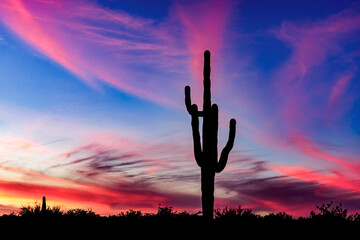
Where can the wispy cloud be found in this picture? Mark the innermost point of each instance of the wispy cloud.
(310, 89)
(109, 177)
(309, 148)
(205, 26)
(312, 44)
(315, 77)
(98, 44)
(92, 163)
(293, 189)
(338, 90)
(85, 194)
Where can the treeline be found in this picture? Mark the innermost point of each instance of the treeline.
(229, 223)
(325, 213)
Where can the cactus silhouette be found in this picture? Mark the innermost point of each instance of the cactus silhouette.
(207, 155)
(43, 206)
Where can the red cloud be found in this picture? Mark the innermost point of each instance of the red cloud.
(102, 199)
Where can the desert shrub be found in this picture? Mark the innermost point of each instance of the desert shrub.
(131, 215)
(35, 210)
(235, 214)
(327, 213)
(165, 212)
(30, 210)
(78, 212)
(280, 217)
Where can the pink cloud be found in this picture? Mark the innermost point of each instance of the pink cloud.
(109, 176)
(274, 206)
(101, 199)
(311, 44)
(307, 147)
(338, 101)
(90, 158)
(301, 89)
(333, 180)
(205, 26)
(339, 89)
(293, 189)
(96, 44)
(15, 14)
(303, 92)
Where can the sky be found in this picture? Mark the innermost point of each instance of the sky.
(92, 111)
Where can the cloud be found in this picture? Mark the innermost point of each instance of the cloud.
(7, 209)
(340, 101)
(334, 180)
(309, 148)
(205, 27)
(86, 194)
(112, 174)
(295, 192)
(274, 194)
(94, 159)
(103, 170)
(312, 44)
(339, 89)
(101, 176)
(266, 187)
(100, 45)
(306, 93)
(309, 92)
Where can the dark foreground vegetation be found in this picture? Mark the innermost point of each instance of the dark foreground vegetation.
(325, 219)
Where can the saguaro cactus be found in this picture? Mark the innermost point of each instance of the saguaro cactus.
(43, 206)
(207, 155)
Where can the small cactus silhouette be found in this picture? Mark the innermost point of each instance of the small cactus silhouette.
(207, 155)
(43, 206)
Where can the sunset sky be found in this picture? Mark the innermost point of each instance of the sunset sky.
(92, 111)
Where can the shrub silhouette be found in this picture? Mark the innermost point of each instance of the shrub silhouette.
(166, 212)
(229, 212)
(331, 214)
(78, 212)
(131, 214)
(36, 210)
(30, 210)
(236, 215)
(166, 220)
(277, 218)
(206, 156)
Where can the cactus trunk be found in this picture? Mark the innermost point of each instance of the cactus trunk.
(207, 190)
(207, 155)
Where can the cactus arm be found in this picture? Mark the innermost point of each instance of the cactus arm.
(188, 100)
(207, 84)
(229, 145)
(188, 103)
(196, 136)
